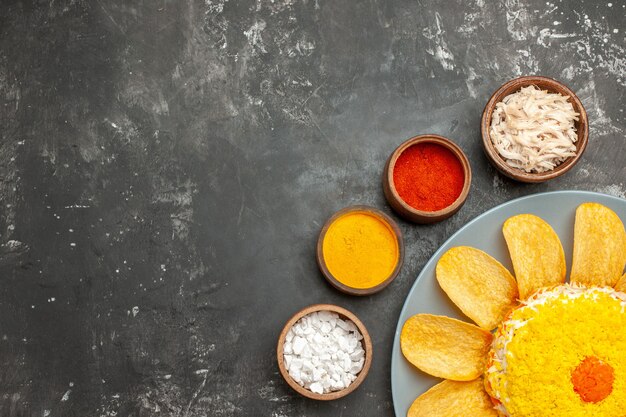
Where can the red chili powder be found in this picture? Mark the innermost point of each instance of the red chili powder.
(428, 177)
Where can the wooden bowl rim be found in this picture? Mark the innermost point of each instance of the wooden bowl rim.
(321, 262)
(441, 141)
(366, 343)
(551, 85)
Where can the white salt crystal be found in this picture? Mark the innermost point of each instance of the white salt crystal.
(298, 344)
(325, 316)
(317, 387)
(339, 332)
(352, 344)
(343, 325)
(343, 344)
(355, 368)
(337, 385)
(296, 363)
(347, 364)
(318, 374)
(306, 351)
(326, 327)
(357, 354)
(295, 374)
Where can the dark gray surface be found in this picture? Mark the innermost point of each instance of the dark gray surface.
(166, 167)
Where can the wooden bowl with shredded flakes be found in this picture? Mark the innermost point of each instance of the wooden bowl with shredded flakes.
(534, 171)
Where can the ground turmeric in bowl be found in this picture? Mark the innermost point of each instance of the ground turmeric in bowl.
(360, 249)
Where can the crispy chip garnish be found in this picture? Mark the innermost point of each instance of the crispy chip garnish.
(621, 284)
(536, 253)
(445, 347)
(599, 246)
(478, 284)
(453, 399)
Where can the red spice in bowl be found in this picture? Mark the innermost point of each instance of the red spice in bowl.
(427, 179)
(428, 176)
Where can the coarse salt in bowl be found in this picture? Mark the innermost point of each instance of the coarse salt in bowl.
(324, 352)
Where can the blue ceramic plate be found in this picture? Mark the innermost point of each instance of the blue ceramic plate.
(484, 232)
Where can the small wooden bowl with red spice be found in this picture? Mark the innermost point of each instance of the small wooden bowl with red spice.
(427, 179)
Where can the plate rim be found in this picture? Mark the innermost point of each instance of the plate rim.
(437, 254)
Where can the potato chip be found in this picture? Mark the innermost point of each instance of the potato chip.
(536, 252)
(599, 246)
(454, 399)
(445, 347)
(478, 284)
(621, 284)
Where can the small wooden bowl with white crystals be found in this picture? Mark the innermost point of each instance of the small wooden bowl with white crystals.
(366, 344)
(552, 86)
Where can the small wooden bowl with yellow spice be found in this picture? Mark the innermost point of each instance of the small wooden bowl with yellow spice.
(360, 250)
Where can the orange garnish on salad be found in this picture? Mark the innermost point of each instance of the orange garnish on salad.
(593, 379)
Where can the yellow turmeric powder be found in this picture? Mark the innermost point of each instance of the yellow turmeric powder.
(360, 250)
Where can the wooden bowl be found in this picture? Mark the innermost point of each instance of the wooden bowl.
(405, 210)
(366, 343)
(545, 83)
(321, 262)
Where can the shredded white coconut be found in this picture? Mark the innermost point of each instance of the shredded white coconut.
(323, 352)
(533, 129)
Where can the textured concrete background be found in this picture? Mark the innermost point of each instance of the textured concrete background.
(165, 168)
